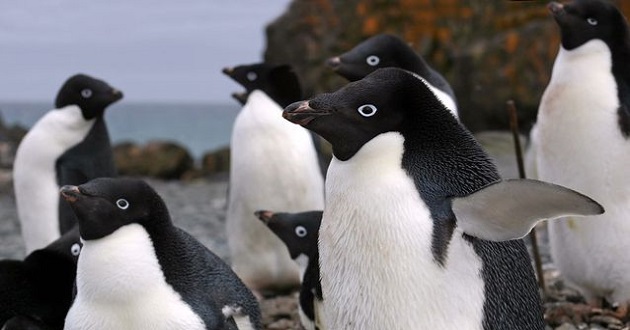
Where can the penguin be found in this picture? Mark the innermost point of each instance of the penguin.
(36, 293)
(138, 271)
(68, 145)
(417, 219)
(265, 175)
(583, 130)
(280, 83)
(300, 231)
(387, 50)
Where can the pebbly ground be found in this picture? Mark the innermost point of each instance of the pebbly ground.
(199, 207)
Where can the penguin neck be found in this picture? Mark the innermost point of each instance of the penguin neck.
(573, 65)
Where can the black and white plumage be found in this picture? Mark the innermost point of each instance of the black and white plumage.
(581, 136)
(68, 145)
(265, 175)
(138, 271)
(411, 199)
(385, 51)
(300, 232)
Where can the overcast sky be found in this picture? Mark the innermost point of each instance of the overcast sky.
(153, 50)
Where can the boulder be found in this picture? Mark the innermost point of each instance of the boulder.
(159, 159)
(217, 161)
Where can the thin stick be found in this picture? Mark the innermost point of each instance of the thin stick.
(521, 173)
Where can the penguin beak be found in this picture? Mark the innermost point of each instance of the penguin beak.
(117, 94)
(264, 216)
(70, 193)
(240, 97)
(334, 63)
(301, 113)
(228, 71)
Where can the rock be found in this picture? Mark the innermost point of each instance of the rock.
(217, 161)
(159, 159)
(566, 326)
(10, 138)
(489, 51)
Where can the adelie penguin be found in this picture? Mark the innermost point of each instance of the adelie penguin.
(36, 293)
(68, 145)
(137, 270)
(583, 132)
(415, 210)
(300, 231)
(274, 165)
(384, 51)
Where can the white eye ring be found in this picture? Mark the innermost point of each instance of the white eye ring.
(372, 60)
(591, 21)
(75, 249)
(367, 110)
(251, 76)
(122, 204)
(300, 231)
(86, 93)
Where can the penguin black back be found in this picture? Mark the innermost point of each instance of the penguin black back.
(91, 158)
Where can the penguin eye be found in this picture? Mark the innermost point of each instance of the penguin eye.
(591, 21)
(300, 231)
(122, 204)
(75, 249)
(372, 60)
(86, 93)
(251, 76)
(367, 110)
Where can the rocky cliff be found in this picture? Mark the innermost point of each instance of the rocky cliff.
(489, 50)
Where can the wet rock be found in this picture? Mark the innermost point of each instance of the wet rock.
(280, 312)
(217, 161)
(567, 326)
(10, 138)
(158, 159)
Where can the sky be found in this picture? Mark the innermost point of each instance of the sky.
(152, 50)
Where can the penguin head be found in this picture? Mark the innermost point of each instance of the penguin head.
(387, 100)
(69, 245)
(63, 251)
(105, 204)
(278, 81)
(380, 51)
(298, 231)
(90, 94)
(583, 20)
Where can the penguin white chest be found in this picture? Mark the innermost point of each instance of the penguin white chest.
(377, 268)
(274, 166)
(120, 285)
(580, 146)
(35, 177)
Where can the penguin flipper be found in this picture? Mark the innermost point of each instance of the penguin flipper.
(509, 209)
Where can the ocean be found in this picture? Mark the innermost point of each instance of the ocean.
(200, 128)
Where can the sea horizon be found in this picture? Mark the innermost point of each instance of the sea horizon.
(200, 127)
